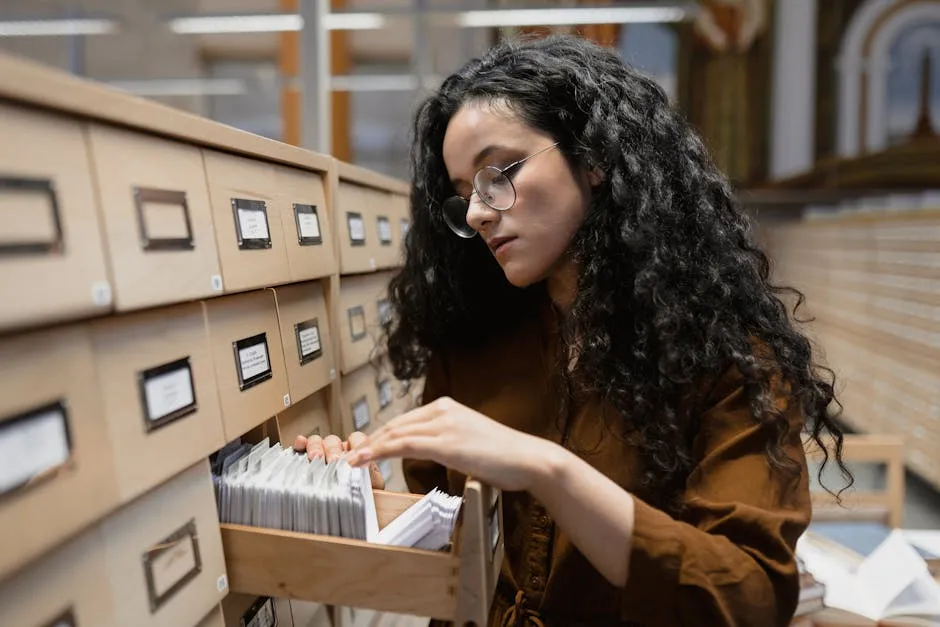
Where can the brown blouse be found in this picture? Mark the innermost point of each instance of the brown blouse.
(729, 560)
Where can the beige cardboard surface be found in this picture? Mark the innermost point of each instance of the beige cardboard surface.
(124, 161)
(233, 319)
(41, 369)
(146, 528)
(230, 178)
(306, 337)
(71, 279)
(151, 445)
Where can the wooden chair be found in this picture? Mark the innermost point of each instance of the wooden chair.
(885, 506)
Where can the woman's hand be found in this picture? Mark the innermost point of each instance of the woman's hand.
(332, 447)
(462, 439)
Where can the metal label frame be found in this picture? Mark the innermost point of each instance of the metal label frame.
(384, 308)
(187, 531)
(350, 216)
(143, 195)
(248, 342)
(378, 225)
(252, 612)
(37, 247)
(353, 313)
(251, 243)
(59, 407)
(379, 386)
(312, 210)
(361, 401)
(299, 328)
(144, 376)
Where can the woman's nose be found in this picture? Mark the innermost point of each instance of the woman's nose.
(480, 216)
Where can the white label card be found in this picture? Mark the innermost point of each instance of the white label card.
(309, 225)
(385, 393)
(32, 445)
(169, 392)
(357, 228)
(361, 417)
(309, 341)
(404, 225)
(253, 360)
(253, 223)
(385, 230)
(172, 565)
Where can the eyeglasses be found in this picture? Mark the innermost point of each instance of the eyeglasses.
(493, 186)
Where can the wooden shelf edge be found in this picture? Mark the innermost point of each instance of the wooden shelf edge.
(28, 82)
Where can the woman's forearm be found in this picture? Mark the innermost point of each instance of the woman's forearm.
(595, 512)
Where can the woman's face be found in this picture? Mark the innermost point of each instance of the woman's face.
(530, 240)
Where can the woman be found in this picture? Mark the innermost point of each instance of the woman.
(600, 340)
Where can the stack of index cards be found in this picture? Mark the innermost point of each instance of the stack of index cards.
(266, 485)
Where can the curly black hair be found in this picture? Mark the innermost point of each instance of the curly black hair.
(672, 289)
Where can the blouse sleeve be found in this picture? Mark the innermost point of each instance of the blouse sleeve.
(422, 476)
(730, 559)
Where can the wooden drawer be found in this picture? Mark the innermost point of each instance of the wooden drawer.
(55, 451)
(52, 263)
(67, 587)
(306, 338)
(248, 226)
(370, 398)
(369, 237)
(307, 223)
(159, 391)
(239, 610)
(311, 416)
(164, 552)
(157, 223)
(401, 210)
(456, 585)
(362, 300)
(249, 361)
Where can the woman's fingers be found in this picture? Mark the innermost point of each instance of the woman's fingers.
(333, 447)
(378, 480)
(300, 444)
(315, 447)
(356, 438)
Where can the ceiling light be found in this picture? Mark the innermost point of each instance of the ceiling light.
(272, 23)
(353, 21)
(182, 87)
(216, 24)
(56, 27)
(563, 17)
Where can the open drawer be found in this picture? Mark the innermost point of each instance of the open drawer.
(456, 585)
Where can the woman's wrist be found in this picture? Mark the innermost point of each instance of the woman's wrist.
(547, 467)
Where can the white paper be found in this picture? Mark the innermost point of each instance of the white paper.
(168, 392)
(254, 360)
(309, 225)
(893, 580)
(31, 447)
(253, 224)
(385, 230)
(357, 229)
(172, 565)
(361, 415)
(925, 539)
(309, 341)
